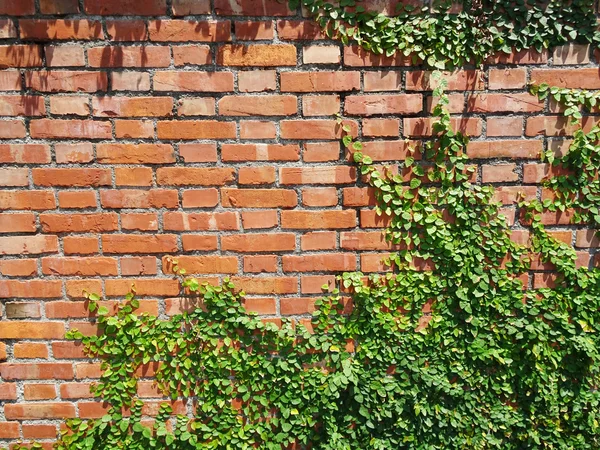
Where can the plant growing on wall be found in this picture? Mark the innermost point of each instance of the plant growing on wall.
(453, 33)
(447, 351)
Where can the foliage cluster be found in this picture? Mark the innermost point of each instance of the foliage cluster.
(459, 356)
(444, 36)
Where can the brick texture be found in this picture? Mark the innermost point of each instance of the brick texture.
(134, 130)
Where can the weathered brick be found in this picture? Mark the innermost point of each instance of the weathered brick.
(189, 30)
(59, 29)
(257, 55)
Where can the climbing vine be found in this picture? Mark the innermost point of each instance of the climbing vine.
(449, 350)
(453, 33)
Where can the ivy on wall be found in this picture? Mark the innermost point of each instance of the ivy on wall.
(458, 356)
(443, 37)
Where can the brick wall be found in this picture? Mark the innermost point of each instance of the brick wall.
(134, 130)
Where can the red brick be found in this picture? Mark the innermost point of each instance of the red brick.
(13, 177)
(504, 103)
(74, 105)
(71, 177)
(200, 198)
(260, 263)
(266, 55)
(75, 390)
(133, 176)
(321, 54)
(8, 391)
(30, 350)
(77, 199)
(80, 245)
(323, 262)
(256, 129)
(204, 221)
(266, 285)
(134, 129)
(207, 264)
(314, 129)
(461, 80)
(59, 29)
(9, 430)
(556, 126)
(189, 30)
(23, 310)
(138, 265)
(18, 267)
(30, 199)
(504, 126)
(66, 81)
(38, 391)
(505, 149)
(364, 240)
(321, 151)
(196, 129)
(7, 29)
(132, 106)
(22, 105)
(187, 7)
(125, 7)
(582, 78)
(30, 330)
(383, 81)
(317, 219)
(251, 8)
(37, 410)
(194, 176)
(79, 223)
(299, 30)
(507, 78)
(202, 242)
(318, 175)
(129, 56)
(142, 286)
(198, 152)
(253, 30)
(24, 153)
(10, 80)
(256, 175)
(115, 153)
(260, 305)
(365, 105)
(501, 173)
(20, 8)
(130, 81)
(12, 129)
(28, 245)
(79, 266)
(39, 431)
(267, 105)
(258, 198)
(571, 54)
(423, 126)
(259, 219)
(81, 152)
(322, 105)
(70, 129)
(318, 240)
(65, 56)
(313, 284)
(198, 55)
(260, 152)
(356, 56)
(530, 56)
(313, 197)
(381, 127)
(319, 81)
(257, 80)
(250, 243)
(127, 30)
(196, 107)
(134, 243)
(16, 55)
